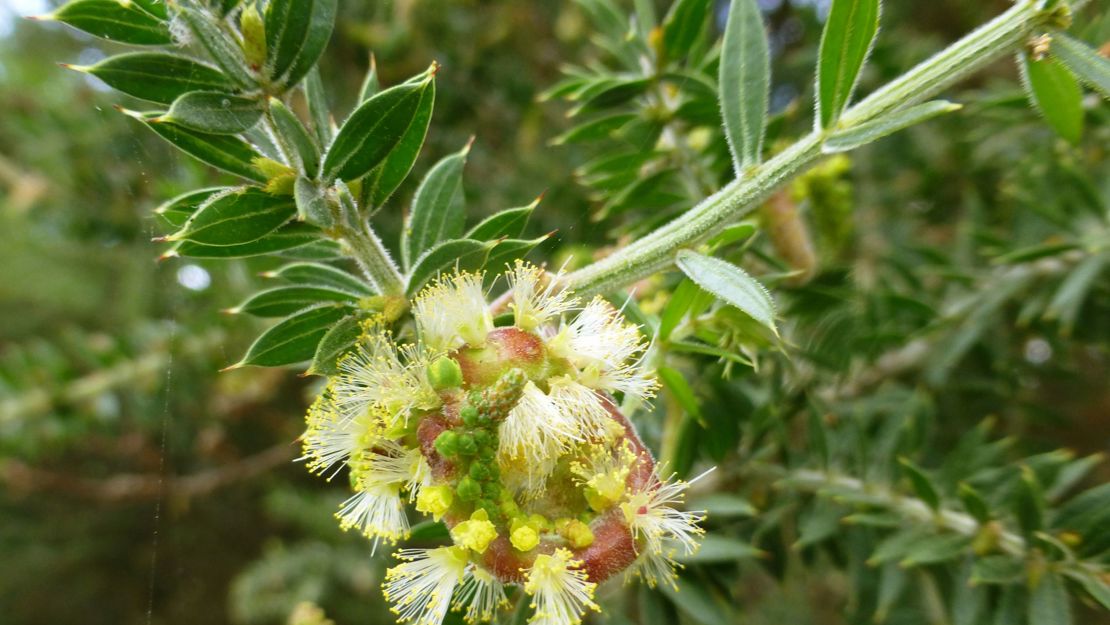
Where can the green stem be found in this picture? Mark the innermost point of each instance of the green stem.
(374, 260)
(656, 251)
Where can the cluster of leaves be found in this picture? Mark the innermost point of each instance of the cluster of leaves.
(311, 186)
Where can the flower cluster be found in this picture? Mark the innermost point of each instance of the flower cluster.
(504, 427)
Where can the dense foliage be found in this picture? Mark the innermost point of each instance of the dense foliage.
(883, 317)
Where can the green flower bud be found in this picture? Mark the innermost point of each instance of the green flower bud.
(444, 373)
(466, 445)
(447, 444)
(254, 36)
(468, 489)
(483, 438)
(478, 471)
(469, 416)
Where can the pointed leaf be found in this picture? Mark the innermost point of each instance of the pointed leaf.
(312, 205)
(437, 208)
(856, 136)
(291, 236)
(443, 255)
(1048, 602)
(293, 340)
(293, 134)
(508, 250)
(1084, 61)
(113, 20)
(685, 20)
(221, 47)
(297, 31)
(745, 82)
(214, 112)
(287, 300)
(225, 152)
(318, 111)
(1055, 93)
(922, 484)
(731, 284)
(373, 131)
(336, 342)
(845, 44)
(680, 390)
(319, 275)
(716, 549)
(384, 179)
(157, 76)
(507, 223)
(178, 210)
(237, 217)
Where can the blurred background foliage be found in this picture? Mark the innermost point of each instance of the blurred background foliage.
(138, 485)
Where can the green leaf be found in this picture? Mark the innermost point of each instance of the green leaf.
(595, 129)
(443, 255)
(685, 20)
(856, 136)
(732, 234)
(373, 131)
(1055, 93)
(287, 300)
(697, 602)
(437, 208)
(1029, 503)
(1048, 602)
(178, 210)
(297, 31)
(291, 236)
(507, 223)
(1069, 297)
(214, 112)
(1084, 61)
(845, 44)
(676, 307)
(897, 545)
(922, 484)
(716, 549)
(680, 389)
(1094, 585)
(221, 48)
(383, 180)
(745, 82)
(236, 217)
(225, 152)
(722, 506)
(935, 549)
(312, 205)
(997, 570)
(731, 284)
(115, 21)
(370, 84)
(318, 111)
(508, 250)
(316, 274)
(292, 133)
(294, 339)
(337, 342)
(974, 503)
(156, 76)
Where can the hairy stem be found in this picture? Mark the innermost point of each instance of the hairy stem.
(657, 251)
(368, 251)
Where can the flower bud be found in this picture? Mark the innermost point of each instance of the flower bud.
(254, 36)
(447, 444)
(468, 489)
(444, 373)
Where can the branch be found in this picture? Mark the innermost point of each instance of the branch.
(657, 250)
